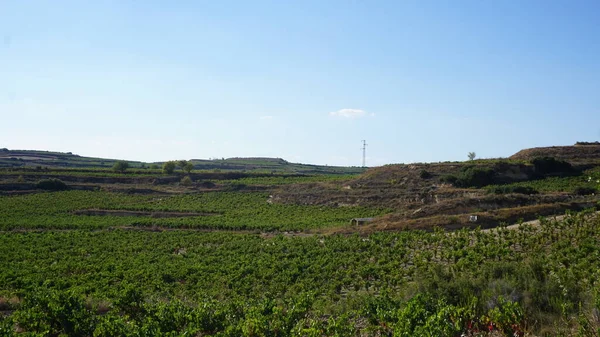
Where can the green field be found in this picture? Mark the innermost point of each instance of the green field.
(143, 254)
(233, 211)
(125, 282)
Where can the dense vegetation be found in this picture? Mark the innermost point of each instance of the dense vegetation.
(230, 210)
(406, 284)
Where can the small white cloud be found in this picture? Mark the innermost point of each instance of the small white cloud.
(266, 117)
(349, 113)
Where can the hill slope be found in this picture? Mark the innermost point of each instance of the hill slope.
(31, 158)
(577, 154)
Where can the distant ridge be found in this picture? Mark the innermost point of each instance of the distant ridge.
(34, 159)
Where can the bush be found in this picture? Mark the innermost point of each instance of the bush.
(186, 181)
(51, 185)
(121, 166)
(188, 167)
(425, 174)
(449, 179)
(550, 165)
(514, 189)
(54, 313)
(169, 167)
(585, 191)
(476, 177)
(471, 177)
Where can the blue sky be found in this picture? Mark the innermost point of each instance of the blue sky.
(306, 81)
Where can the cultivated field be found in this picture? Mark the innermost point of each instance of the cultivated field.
(95, 252)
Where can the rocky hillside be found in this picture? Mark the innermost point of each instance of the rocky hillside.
(448, 194)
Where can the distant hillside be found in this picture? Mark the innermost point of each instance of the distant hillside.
(578, 153)
(31, 158)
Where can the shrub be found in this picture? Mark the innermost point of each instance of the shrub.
(121, 166)
(188, 167)
(425, 174)
(186, 181)
(585, 191)
(449, 178)
(51, 185)
(471, 177)
(169, 167)
(550, 165)
(475, 177)
(48, 312)
(513, 189)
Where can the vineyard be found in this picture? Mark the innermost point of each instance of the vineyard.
(127, 282)
(259, 254)
(232, 210)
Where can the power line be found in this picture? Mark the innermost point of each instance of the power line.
(364, 150)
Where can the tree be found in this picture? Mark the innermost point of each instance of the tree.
(188, 167)
(169, 167)
(182, 163)
(121, 166)
(471, 155)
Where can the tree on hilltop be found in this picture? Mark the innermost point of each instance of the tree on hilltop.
(182, 163)
(188, 167)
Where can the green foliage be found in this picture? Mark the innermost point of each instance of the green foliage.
(585, 190)
(471, 155)
(471, 176)
(475, 177)
(587, 180)
(424, 174)
(169, 167)
(181, 164)
(120, 166)
(236, 284)
(449, 179)
(550, 165)
(506, 189)
(51, 312)
(51, 185)
(233, 210)
(186, 181)
(188, 167)
(153, 167)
